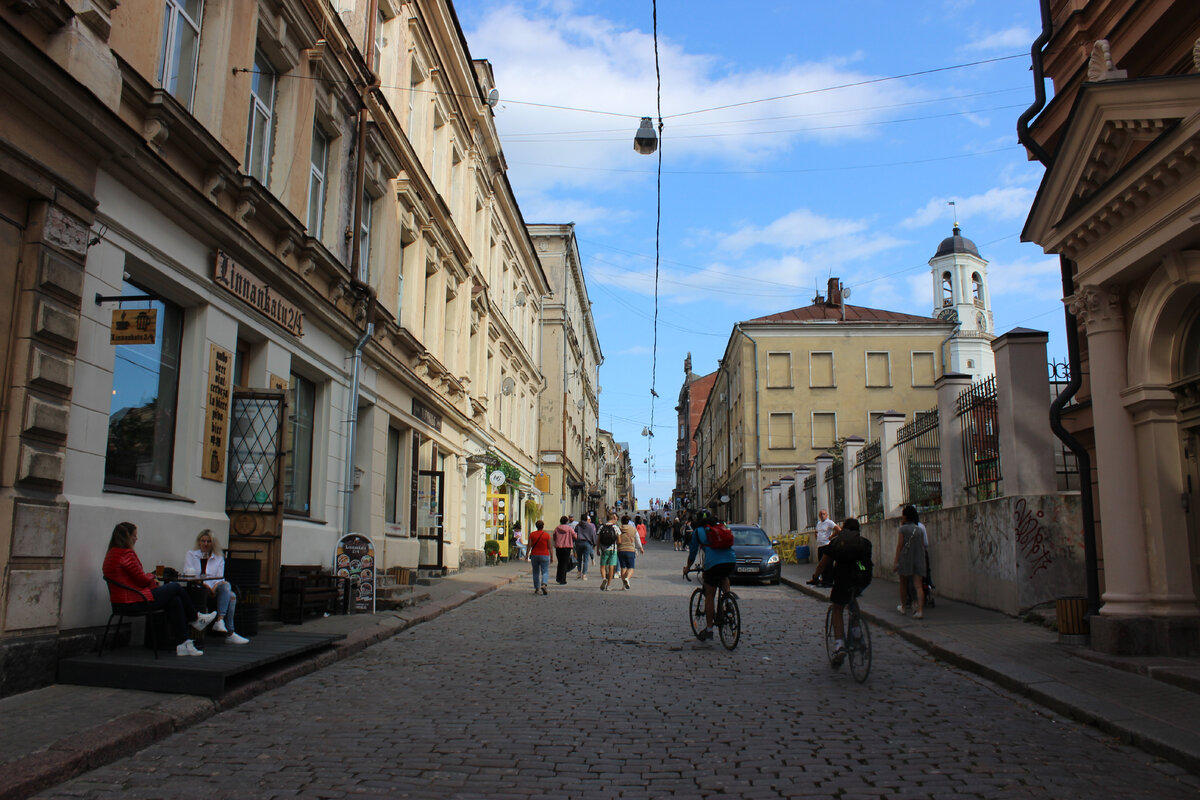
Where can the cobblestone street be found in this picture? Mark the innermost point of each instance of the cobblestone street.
(587, 694)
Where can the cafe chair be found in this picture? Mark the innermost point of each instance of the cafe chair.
(131, 610)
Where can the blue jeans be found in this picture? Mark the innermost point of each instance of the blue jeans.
(226, 604)
(583, 554)
(541, 570)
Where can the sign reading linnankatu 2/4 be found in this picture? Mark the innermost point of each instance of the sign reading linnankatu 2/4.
(238, 281)
(216, 424)
(133, 326)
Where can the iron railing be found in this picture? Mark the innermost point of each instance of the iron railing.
(977, 415)
(835, 486)
(1066, 465)
(810, 498)
(921, 460)
(870, 482)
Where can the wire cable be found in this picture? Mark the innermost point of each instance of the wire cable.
(657, 238)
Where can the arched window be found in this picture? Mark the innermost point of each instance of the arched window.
(947, 289)
(977, 289)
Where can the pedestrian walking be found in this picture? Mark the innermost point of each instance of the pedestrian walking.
(540, 556)
(910, 561)
(585, 545)
(629, 544)
(640, 524)
(677, 532)
(564, 549)
(607, 539)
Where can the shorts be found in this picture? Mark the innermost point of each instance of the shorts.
(843, 591)
(627, 558)
(608, 556)
(717, 573)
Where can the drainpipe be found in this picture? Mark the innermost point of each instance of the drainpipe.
(351, 423)
(1039, 90)
(757, 436)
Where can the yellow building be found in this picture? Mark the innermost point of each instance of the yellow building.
(794, 384)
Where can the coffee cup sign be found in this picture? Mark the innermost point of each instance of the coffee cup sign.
(354, 558)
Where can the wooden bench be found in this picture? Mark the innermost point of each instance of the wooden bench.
(306, 589)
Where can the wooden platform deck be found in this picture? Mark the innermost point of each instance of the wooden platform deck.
(208, 675)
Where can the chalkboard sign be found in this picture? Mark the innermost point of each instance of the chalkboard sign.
(354, 558)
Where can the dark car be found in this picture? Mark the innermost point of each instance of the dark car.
(756, 557)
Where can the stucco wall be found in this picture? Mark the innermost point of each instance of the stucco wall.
(1009, 554)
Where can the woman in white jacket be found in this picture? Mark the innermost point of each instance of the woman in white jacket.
(206, 559)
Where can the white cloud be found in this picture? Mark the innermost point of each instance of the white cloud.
(636, 350)
(799, 228)
(1026, 277)
(1011, 39)
(1001, 202)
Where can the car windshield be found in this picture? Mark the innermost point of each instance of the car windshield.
(752, 537)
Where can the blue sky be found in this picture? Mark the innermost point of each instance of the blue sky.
(764, 199)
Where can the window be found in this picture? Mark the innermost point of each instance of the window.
(180, 48)
(364, 238)
(779, 370)
(977, 289)
(378, 50)
(141, 414)
(924, 370)
(820, 370)
(262, 116)
(824, 429)
(947, 290)
(780, 435)
(297, 464)
(318, 165)
(879, 369)
(391, 511)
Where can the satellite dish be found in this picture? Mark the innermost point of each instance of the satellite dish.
(846, 292)
(508, 386)
(580, 405)
(493, 97)
(520, 300)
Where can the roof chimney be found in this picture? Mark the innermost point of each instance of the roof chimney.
(834, 293)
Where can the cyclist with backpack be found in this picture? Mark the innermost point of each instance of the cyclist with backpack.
(606, 546)
(719, 561)
(848, 559)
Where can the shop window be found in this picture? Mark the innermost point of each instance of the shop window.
(391, 495)
(141, 415)
(259, 133)
(181, 48)
(297, 465)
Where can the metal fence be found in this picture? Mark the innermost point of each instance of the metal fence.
(792, 524)
(977, 415)
(835, 485)
(810, 498)
(1066, 466)
(870, 482)
(921, 460)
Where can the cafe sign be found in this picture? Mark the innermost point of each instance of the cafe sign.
(134, 326)
(216, 422)
(354, 559)
(238, 281)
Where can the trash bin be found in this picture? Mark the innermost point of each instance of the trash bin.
(802, 554)
(1071, 616)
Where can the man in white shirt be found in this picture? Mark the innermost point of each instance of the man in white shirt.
(826, 530)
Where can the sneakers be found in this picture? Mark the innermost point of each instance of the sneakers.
(188, 649)
(235, 639)
(201, 621)
(544, 590)
(918, 615)
(219, 626)
(705, 635)
(626, 582)
(839, 655)
(901, 609)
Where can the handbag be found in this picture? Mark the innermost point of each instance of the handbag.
(570, 561)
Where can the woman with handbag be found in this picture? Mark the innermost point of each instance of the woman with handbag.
(564, 549)
(910, 562)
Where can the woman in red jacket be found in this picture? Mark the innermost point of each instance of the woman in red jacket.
(123, 566)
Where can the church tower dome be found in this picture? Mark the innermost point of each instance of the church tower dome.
(961, 295)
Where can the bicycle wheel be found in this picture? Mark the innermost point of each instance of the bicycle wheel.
(731, 622)
(860, 647)
(829, 638)
(696, 612)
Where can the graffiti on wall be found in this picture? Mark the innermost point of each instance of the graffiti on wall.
(987, 549)
(1031, 537)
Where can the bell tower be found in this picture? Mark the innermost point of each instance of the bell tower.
(961, 295)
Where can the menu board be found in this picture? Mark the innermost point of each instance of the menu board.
(498, 518)
(355, 559)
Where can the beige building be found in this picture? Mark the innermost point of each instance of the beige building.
(792, 385)
(1120, 204)
(616, 470)
(570, 405)
(269, 273)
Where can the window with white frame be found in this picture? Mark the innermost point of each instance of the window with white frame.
(779, 370)
(317, 181)
(259, 131)
(820, 369)
(924, 368)
(781, 434)
(181, 48)
(824, 429)
(879, 369)
(364, 237)
(298, 462)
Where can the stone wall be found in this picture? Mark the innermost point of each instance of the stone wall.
(1008, 554)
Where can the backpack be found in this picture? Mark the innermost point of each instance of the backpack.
(719, 536)
(607, 536)
(859, 567)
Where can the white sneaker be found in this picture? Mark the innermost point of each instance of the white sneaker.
(201, 622)
(188, 648)
(234, 638)
(219, 626)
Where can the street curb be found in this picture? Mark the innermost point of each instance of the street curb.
(1139, 732)
(125, 735)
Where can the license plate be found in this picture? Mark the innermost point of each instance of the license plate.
(747, 569)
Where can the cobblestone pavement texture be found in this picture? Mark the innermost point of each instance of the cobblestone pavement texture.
(584, 694)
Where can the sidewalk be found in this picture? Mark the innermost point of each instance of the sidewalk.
(1151, 703)
(53, 734)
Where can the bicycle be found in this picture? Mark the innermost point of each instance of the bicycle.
(727, 615)
(858, 639)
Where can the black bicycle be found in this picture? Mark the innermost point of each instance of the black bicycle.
(727, 616)
(858, 639)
